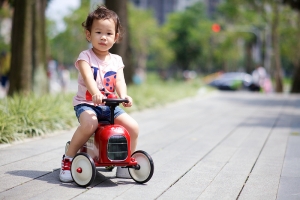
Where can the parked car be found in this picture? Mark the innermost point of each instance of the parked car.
(234, 81)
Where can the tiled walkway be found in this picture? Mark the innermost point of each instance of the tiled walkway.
(222, 146)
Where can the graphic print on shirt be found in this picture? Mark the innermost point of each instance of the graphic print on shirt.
(109, 81)
(88, 95)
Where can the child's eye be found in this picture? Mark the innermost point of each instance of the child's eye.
(109, 33)
(98, 32)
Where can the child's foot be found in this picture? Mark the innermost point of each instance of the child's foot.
(122, 173)
(65, 173)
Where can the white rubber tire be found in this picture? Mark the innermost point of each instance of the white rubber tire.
(87, 165)
(145, 162)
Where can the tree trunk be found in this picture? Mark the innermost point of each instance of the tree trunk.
(276, 51)
(40, 81)
(123, 48)
(296, 79)
(296, 75)
(28, 47)
(21, 46)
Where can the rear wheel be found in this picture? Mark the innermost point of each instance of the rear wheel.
(83, 169)
(146, 167)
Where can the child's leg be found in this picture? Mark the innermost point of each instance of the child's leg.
(88, 124)
(131, 126)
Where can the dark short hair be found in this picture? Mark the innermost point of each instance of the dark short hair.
(101, 12)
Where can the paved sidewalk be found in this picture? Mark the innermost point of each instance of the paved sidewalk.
(223, 146)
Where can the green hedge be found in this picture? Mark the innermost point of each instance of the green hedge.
(22, 117)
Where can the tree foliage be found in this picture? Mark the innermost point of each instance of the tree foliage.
(295, 4)
(148, 42)
(185, 41)
(66, 46)
(184, 36)
(144, 31)
(262, 18)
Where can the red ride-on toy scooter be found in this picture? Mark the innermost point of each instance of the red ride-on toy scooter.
(110, 145)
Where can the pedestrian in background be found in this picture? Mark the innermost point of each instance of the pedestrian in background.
(64, 77)
(262, 79)
(4, 71)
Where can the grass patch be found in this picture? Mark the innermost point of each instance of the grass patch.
(24, 117)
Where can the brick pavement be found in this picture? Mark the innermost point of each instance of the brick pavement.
(222, 146)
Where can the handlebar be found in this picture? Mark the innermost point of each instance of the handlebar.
(114, 102)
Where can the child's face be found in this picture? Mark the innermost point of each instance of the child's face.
(102, 35)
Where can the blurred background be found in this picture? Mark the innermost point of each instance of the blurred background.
(227, 44)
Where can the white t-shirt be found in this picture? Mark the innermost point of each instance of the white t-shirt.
(104, 71)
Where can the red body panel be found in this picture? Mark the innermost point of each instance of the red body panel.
(96, 146)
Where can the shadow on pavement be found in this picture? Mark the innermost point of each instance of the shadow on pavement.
(52, 177)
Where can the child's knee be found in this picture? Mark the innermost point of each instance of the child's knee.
(129, 124)
(89, 126)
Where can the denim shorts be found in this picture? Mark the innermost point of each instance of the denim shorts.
(102, 112)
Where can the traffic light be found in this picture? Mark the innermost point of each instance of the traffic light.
(216, 28)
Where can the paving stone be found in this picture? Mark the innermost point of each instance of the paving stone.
(231, 145)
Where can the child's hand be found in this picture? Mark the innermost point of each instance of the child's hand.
(130, 102)
(97, 99)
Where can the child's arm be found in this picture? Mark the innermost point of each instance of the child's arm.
(121, 88)
(89, 81)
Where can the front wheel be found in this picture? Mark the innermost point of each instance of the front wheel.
(83, 169)
(146, 167)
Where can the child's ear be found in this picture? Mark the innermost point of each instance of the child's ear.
(117, 37)
(88, 35)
